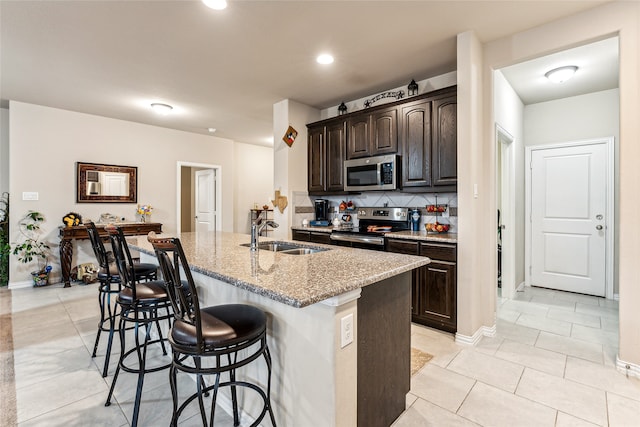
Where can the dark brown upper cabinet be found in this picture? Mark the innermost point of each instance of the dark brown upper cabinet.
(372, 133)
(326, 150)
(422, 129)
(445, 141)
(428, 135)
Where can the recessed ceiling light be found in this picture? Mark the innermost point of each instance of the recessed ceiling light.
(211, 130)
(162, 109)
(562, 74)
(215, 4)
(325, 58)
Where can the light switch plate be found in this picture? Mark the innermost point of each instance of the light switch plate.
(29, 195)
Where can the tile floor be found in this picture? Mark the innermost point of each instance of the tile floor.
(550, 364)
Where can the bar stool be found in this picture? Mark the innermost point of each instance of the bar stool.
(140, 305)
(109, 280)
(233, 335)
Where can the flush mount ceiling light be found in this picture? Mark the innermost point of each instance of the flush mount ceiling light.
(211, 130)
(324, 59)
(215, 4)
(162, 109)
(562, 74)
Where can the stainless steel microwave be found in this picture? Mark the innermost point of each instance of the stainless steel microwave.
(372, 173)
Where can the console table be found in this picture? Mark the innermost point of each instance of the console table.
(79, 232)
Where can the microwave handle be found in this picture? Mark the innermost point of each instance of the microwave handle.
(379, 173)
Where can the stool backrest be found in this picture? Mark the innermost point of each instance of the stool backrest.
(123, 258)
(98, 247)
(182, 293)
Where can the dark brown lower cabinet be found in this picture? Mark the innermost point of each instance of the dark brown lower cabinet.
(434, 286)
(311, 236)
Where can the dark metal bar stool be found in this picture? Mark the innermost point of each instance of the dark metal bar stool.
(231, 335)
(140, 306)
(109, 280)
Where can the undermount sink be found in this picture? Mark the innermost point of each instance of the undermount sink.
(273, 246)
(286, 248)
(303, 251)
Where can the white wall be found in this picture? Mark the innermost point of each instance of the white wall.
(46, 143)
(621, 18)
(4, 150)
(253, 182)
(572, 119)
(509, 115)
(290, 163)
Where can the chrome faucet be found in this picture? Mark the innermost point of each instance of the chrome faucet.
(257, 226)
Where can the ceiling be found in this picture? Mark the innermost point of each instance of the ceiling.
(226, 69)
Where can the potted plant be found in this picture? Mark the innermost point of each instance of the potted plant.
(5, 247)
(32, 248)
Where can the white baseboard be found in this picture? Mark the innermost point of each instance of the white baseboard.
(627, 368)
(616, 297)
(483, 331)
(19, 285)
(520, 287)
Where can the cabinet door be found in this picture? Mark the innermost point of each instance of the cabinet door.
(445, 141)
(384, 131)
(358, 136)
(416, 144)
(316, 160)
(335, 152)
(437, 295)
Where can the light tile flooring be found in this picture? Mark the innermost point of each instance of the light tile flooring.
(550, 364)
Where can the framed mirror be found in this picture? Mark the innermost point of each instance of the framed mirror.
(99, 183)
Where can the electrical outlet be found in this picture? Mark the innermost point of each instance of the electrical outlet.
(346, 330)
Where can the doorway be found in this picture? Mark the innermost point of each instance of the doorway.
(570, 207)
(506, 220)
(198, 197)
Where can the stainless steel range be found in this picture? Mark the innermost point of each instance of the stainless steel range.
(372, 224)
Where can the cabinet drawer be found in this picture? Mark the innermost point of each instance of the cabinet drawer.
(402, 247)
(301, 235)
(439, 251)
(320, 237)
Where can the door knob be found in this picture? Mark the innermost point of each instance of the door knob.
(598, 227)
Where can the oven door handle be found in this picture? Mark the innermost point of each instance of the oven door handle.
(378, 241)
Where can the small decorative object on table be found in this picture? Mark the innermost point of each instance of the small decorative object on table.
(72, 219)
(144, 211)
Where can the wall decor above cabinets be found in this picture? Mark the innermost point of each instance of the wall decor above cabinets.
(422, 130)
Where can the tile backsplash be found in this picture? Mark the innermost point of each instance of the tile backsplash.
(302, 201)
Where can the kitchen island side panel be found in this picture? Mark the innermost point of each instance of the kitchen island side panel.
(313, 381)
(384, 350)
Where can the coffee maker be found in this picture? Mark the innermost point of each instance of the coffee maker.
(321, 209)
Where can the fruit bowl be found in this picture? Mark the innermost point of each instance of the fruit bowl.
(436, 227)
(436, 208)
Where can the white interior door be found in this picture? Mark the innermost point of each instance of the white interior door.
(568, 213)
(205, 200)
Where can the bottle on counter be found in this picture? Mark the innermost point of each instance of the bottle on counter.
(415, 219)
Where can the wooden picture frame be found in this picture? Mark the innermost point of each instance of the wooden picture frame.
(94, 181)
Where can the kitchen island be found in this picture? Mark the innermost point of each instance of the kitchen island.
(339, 324)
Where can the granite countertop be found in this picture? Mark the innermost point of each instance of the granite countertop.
(296, 280)
(424, 236)
(327, 229)
(408, 235)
